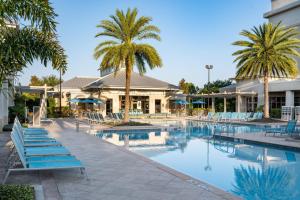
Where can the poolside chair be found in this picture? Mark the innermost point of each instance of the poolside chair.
(30, 131)
(32, 138)
(289, 129)
(38, 163)
(28, 142)
(38, 151)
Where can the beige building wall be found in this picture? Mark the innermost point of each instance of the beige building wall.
(153, 95)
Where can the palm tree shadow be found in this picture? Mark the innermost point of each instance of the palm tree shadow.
(272, 183)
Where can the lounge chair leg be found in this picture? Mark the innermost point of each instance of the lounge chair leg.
(83, 172)
(6, 176)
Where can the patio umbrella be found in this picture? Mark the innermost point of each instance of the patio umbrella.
(96, 101)
(74, 100)
(181, 102)
(199, 102)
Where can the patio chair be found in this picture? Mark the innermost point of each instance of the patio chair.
(36, 143)
(32, 138)
(289, 129)
(38, 151)
(30, 131)
(38, 163)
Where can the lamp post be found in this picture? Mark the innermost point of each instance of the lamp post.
(60, 93)
(208, 67)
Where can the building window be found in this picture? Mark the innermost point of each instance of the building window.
(137, 103)
(297, 99)
(251, 104)
(276, 102)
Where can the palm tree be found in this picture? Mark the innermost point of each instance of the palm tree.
(123, 49)
(22, 43)
(270, 183)
(268, 53)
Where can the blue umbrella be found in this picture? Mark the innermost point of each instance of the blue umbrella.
(74, 100)
(198, 102)
(96, 101)
(181, 102)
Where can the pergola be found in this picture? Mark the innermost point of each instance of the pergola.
(227, 95)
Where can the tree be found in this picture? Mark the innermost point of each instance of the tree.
(50, 80)
(125, 30)
(20, 45)
(268, 52)
(215, 86)
(187, 88)
(35, 81)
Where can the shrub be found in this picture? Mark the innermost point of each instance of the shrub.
(275, 113)
(16, 192)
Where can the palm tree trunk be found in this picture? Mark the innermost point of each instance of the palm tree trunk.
(266, 96)
(127, 90)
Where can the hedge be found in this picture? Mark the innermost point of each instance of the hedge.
(16, 192)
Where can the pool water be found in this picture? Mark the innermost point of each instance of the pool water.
(249, 171)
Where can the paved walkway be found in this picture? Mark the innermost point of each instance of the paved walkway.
(261, 138)
(114, 173)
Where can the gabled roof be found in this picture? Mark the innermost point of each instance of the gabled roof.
(137, 82)
(78, 82)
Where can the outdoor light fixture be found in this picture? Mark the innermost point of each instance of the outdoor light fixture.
(209, 67)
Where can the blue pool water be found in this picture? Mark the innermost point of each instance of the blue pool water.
(249, 171)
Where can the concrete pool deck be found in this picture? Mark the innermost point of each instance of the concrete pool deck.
(114, 173)
(284, 142)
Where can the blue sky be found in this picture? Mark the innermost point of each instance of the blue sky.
(194, 33)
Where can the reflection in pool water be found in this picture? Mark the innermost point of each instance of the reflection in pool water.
(252, 172)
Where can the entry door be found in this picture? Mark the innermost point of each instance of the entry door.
(109, 106)
(157, 106)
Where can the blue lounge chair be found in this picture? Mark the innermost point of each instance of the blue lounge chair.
(38, 163)
(35, 143)
(289, 129)
(32, 138)
(38, 151)
(30, 131)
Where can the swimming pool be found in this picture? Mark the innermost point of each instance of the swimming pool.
(249, 171)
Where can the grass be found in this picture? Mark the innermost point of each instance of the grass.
(16, 192)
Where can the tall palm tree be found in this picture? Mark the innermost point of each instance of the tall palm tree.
(34, 38)
(123, 49)
(270, 183)
(268, 53)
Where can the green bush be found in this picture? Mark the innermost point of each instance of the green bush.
(260, 109)
(16, 192)
(275, 113)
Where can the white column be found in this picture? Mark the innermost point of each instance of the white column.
(289, 98)
(225, 104)
(213, 104)
(116, 104)
(238, 103)
(151, 105)
(164, 108)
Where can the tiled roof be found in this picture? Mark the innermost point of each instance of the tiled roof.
(137, 82)
(78, 82)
